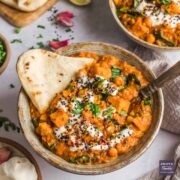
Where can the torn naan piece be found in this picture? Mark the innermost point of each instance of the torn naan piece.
(25, 5)
(43, 74)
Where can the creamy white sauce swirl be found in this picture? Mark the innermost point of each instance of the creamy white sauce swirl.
(157, 15)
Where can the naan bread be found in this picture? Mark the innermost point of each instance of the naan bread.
(43, 74)
(25, 5)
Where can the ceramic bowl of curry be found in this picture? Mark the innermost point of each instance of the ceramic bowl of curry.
(101, 135)
(153, 24)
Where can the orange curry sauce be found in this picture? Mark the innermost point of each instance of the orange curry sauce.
(91, 122)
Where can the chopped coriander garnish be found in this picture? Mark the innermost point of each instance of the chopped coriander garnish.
(41, 26)
(108, 112)
(12, 86)
(136, 3)
(115, 71)
(95, 109)
(40, 36)
(16, 41)
(78, 108)
(40, 44)
(68, 30)
(17, 30)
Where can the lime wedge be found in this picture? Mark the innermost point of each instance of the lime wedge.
(81, 2)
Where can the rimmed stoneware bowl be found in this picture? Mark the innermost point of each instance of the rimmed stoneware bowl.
(18, 150)
(136, 39)
(121, 161)
(7, 47)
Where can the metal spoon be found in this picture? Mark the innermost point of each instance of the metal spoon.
(167, 76)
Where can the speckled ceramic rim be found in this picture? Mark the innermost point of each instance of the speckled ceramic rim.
(121, 161)
(136, 39)
(25, 152)
(7, 47)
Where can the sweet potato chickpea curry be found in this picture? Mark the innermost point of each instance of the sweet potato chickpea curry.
(154, 21)
(91, 121)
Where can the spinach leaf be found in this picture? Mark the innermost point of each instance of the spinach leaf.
(165, 2)
(132, 76)
(115, 71)
(160, 36)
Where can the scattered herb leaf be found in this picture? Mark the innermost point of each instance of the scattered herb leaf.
(12, 86)
(41, 26)
(17, 30)
(7, 124)
(40, 36)
(40, 44)
(78, 109)
(16, 41)
(32, 47)
(68, 30)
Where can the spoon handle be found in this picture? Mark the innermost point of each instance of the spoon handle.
(167, 76)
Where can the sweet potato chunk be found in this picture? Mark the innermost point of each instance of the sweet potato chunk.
(59, 118)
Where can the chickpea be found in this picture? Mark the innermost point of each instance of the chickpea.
(119, 81)
(151, 38)
(110, 129)
(148, 22)
(113, 152)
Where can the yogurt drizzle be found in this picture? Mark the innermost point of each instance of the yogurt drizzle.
(76, 122)
(157, 15)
